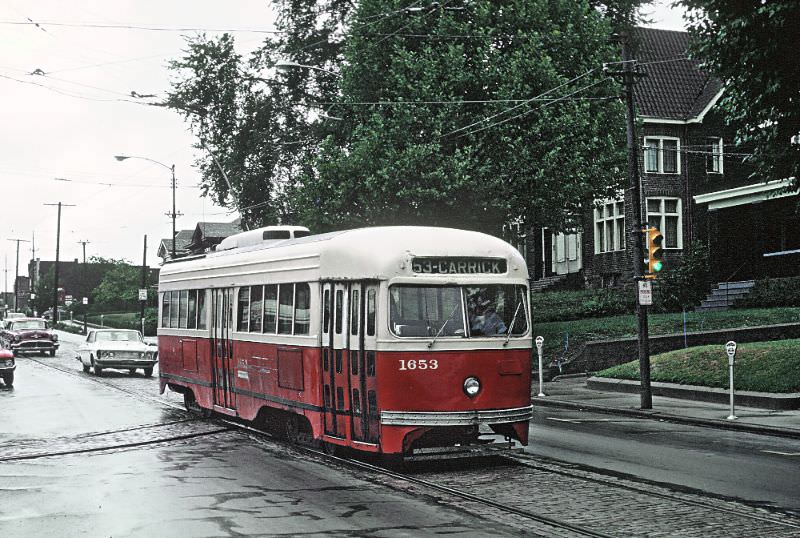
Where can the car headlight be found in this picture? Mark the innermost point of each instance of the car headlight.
(472, 386)
(55, 337)
(110, 354)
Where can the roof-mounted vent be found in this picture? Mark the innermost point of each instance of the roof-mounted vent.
(260, 236)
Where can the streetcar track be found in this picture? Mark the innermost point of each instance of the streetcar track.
(523, 460)
(261, 434)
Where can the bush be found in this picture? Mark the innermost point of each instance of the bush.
(74, 329)
(573, 305)
(130, 320)
(772, 292)
(686, 285)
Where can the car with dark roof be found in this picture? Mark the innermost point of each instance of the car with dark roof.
(29, 335)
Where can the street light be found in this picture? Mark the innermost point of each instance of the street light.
(171, 169)
(286, 66)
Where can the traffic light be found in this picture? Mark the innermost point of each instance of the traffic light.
(655, 258)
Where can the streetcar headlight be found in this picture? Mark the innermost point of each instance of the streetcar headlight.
(472, 386)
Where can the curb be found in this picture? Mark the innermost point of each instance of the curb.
(666, 417)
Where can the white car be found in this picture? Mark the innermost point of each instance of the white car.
(119, 349)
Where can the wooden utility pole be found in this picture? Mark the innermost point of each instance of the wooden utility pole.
(144, 280)
(55, 269)
(16, 274)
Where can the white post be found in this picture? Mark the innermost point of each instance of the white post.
(730, 350)
(539, 346)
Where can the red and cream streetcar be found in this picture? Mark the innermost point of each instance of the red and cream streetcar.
(403, 341)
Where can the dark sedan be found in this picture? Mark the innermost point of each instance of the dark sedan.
(29, 335)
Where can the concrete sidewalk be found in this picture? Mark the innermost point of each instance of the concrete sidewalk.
(572, 393)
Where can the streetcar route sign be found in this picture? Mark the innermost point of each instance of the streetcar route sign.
(459, 266)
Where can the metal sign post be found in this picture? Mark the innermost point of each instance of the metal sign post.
(730, 349)
(539, 346)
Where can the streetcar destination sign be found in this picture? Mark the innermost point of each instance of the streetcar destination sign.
(459, 266)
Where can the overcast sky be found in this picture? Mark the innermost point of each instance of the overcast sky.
(71, 120)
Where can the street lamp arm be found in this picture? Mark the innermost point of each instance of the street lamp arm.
(123, 157)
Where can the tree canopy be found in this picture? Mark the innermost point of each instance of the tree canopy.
(460, 114)
(752, 47)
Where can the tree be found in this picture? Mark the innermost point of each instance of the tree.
(44, 292)
(468, 115)
(119, 288)
(752, 47)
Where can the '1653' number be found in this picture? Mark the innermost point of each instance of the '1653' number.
(419, 364)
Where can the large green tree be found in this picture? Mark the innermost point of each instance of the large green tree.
(119, 288)
(751, 45)
(463, 114)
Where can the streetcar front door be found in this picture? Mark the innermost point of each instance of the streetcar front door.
(334, 358)
(222, 348)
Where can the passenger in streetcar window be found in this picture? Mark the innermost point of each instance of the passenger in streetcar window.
(484, 321)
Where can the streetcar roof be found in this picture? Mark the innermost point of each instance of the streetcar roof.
(378, 253)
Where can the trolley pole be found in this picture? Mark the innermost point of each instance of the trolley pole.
(635, 228)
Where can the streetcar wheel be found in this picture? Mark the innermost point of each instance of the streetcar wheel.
(148, 372)
(193, 407)
(292, 428)
(330, 449)
(8, 379)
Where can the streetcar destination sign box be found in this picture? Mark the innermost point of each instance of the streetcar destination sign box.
(459, 266)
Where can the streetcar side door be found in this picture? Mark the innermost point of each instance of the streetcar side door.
(334, 358)
(363, 395)
(222, 348)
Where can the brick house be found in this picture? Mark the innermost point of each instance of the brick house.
(694, 185)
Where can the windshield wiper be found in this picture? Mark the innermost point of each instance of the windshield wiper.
(430, 344)
(513, 321)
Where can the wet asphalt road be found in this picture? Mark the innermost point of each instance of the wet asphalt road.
(209, 482)
(760, 469)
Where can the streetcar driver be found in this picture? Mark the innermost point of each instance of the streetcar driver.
(484, 320)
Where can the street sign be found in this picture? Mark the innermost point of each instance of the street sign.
(730, 349)
(85, 300)
(142, 294)
(645, 293)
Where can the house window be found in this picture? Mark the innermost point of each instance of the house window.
(665, 214)
(661, 155)
(609, 226)
(714, 161)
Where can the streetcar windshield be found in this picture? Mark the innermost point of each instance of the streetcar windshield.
(468, 311)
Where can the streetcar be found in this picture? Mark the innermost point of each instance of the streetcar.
(404, 341)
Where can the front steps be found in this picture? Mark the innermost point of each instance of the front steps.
(725, 294)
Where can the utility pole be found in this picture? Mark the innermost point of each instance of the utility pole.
(33, 257)
(636, 226)
(84, 306)
(174, 214)
(55, 270)
(16, 273)
(144, 281)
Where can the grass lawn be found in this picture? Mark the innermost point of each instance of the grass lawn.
(760, 366)
(557, 333)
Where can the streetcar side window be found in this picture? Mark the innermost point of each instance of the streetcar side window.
(173, 309)
(270, 308)
(354, 312)
(165, 309)
(371, 313)
(191, 322)
(201, 310)
(184, 309)
(337, 319)
(243, 321)
(302, 308)
(256, 304)
(285, 308)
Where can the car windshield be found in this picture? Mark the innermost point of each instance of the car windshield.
(28, 324)
(474, 311)
(118, 336)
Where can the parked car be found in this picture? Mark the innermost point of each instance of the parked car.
(7, 366)
(62, 314)
(29, 335)
(118, 349)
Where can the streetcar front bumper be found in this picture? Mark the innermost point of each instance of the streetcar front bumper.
(456, 418)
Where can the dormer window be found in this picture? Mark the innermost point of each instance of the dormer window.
(714, 160)
(661, 155)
